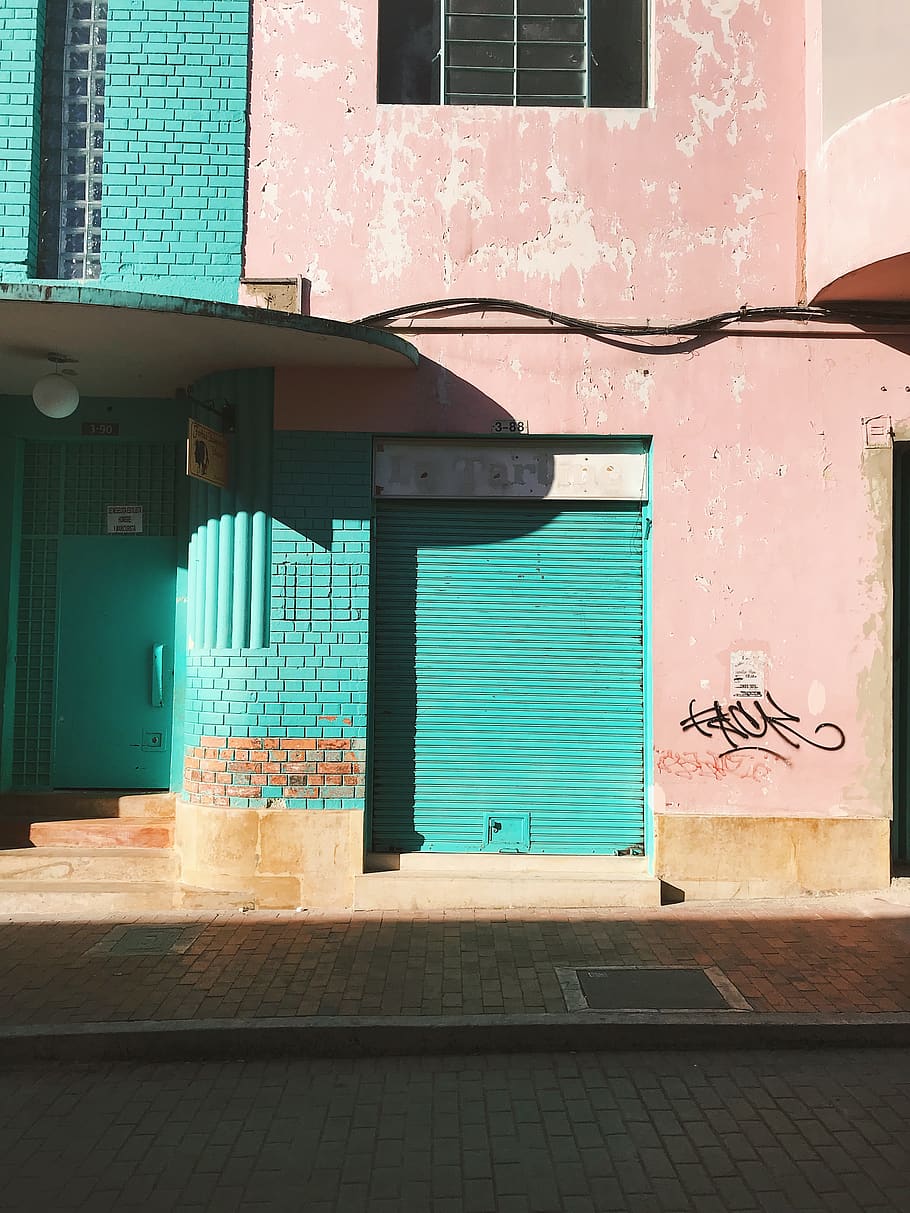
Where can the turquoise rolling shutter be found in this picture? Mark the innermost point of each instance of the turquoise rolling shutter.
(508, 675)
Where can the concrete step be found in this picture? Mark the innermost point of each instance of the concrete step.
(157, 805)
(114, 865)
(604, 867)
(434, 890)
(186, 897)
(103, 832)
(64, 806)
(66, 897)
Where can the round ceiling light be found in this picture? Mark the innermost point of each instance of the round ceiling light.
(55, 396)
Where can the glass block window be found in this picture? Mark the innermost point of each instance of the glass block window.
(513, 52)
(72, 138)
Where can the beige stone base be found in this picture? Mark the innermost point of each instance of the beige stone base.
(279, 858)
(717, 858)
(284, 858)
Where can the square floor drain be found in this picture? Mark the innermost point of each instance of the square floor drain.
(650, 988)
(146, 941)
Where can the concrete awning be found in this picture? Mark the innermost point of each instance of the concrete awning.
(858, 245)
(130, 344)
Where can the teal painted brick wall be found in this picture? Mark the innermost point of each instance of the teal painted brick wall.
(309, 687)
(175, 146)
(21, 49)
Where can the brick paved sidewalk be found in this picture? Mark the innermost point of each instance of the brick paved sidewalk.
(716, 1132)
(817, 957)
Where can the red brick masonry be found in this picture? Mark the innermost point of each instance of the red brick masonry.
(224, 769)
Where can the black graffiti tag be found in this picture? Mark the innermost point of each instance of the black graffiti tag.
(741, 727)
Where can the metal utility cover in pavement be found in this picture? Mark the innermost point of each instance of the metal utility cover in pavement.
(146, 941)
(605, 988)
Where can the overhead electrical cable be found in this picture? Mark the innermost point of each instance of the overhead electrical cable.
(843, 315)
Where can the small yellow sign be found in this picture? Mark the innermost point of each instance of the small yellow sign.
(207, 455)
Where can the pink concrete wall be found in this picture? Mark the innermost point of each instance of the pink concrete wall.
(770, 520)
(771, 527)
(683, 209)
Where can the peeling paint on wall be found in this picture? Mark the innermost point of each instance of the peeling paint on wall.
(416, 200)
(353, 24)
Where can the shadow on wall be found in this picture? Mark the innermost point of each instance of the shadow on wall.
(330, 527)
(414, 537)
(901, 344)
(324, 494)
(428, 400)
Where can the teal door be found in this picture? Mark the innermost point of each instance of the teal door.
(115, 661)
(509, 678)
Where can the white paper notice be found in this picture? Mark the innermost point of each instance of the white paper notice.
(747, 675)
(124, 519)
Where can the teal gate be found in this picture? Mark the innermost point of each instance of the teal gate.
(508, 677)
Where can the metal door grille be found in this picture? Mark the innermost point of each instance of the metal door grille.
(98, 476)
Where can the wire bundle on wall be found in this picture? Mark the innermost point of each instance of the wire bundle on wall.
(860, 316)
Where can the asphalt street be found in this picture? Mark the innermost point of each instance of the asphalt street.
(649, 1132)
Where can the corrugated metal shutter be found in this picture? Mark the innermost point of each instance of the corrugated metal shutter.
(508, 675)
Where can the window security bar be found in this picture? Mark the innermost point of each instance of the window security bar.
(515, 52)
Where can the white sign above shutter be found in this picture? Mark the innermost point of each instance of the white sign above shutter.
(555, 471)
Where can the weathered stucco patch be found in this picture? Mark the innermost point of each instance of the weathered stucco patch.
(535, 201)
(352, 25)
(874, 680)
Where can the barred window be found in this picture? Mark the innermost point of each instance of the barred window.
(72, 138)
(513, 52)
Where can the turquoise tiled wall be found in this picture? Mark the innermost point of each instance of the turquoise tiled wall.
(21, 49)
(312, 678)
(175, 144)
